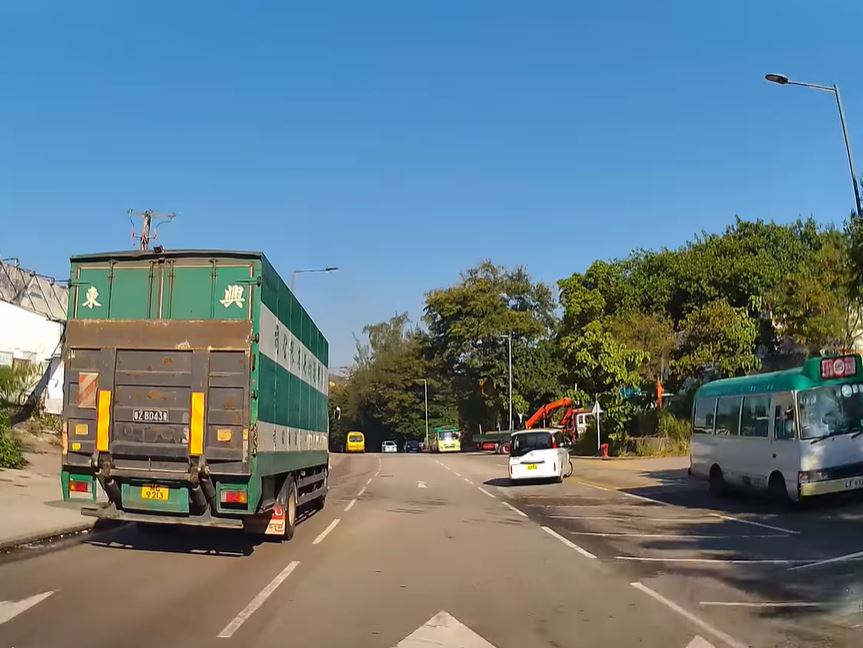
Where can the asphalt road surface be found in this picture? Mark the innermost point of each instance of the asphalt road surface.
(419, 550)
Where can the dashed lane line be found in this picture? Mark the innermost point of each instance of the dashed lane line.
(762, 604)
(485, 492)
(515, 510)
(852, 556)
(718, 561)
(568, 543)
(350, 505)
(362, 490)
(326, 532)
(701, 623)
(229, 630)
(758, 524)
(682, 536)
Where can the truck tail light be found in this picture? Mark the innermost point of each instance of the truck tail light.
(234, 497)
(76, 486)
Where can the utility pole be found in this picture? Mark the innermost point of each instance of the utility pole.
(148, 227)
(508, 337)
(426, 394)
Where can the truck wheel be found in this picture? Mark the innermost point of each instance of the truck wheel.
(320, 501)
(717, 482)
(291, 508)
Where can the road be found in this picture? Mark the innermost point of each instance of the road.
(419, 550)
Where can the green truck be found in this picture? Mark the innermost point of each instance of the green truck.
(195, 392)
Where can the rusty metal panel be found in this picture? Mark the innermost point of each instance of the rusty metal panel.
(160, 334)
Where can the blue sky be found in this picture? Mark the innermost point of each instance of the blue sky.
(407, 141)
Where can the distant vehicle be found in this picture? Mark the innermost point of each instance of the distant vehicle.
(445, 439)
(355, 442)
(792, 433)
(389, 446)
(412, 445)
(539, 454)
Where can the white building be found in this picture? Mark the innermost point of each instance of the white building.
(32, 321)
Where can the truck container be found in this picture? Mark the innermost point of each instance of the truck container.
(195, 392)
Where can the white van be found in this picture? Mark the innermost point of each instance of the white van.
(538, 454)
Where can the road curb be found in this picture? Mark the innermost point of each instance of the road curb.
(44, 536)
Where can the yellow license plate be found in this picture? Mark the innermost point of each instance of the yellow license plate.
(159, 493)
(531, 466)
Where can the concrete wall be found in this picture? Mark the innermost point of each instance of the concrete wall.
(25, 335)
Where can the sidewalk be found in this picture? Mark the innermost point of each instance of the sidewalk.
(31, 505)
(632, 473)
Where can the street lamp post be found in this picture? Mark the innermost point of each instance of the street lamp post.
(426, 395)
(508, 337)
(296, 272)
(781, 79)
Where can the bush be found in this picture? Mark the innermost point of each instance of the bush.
(11, 455)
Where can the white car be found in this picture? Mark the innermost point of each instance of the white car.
(389, 446)
(538, 454)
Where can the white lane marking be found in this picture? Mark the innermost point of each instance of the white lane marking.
(468, 480)
(368, 481)
(362, 490)
(758, 524)
(619, 518)
(725, 561)
(350, 505)
(851, 556)
(683, 536)
(443, 629)
(11, 609)
(701, 623)
(762, 604)
(256, 602)
(568, 543)
(485, 492)
(699, 642)
(326, 532)
(510, 506)
(457, 473)
(421, 484)
(642, 497)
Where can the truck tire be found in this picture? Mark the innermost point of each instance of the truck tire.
(290, 508)
(320, 501)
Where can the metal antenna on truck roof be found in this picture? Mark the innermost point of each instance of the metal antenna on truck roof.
(150, 220)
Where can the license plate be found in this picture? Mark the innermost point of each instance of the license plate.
(531, 466)
(856, 482)
(159, 493)
(150, 415)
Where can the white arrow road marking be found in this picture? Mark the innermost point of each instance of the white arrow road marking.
(421, 484)
(443, 631)
(699, 642)
(11, 609)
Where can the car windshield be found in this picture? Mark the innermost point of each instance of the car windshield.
(524, 443)
(445, 436)
(354, 438)
(830, 411)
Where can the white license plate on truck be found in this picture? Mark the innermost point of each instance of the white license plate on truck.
(854, 482)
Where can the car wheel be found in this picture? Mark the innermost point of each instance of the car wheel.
(570, 469)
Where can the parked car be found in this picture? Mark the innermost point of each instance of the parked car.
(389, 446)
(412, 445)
(538, 454)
